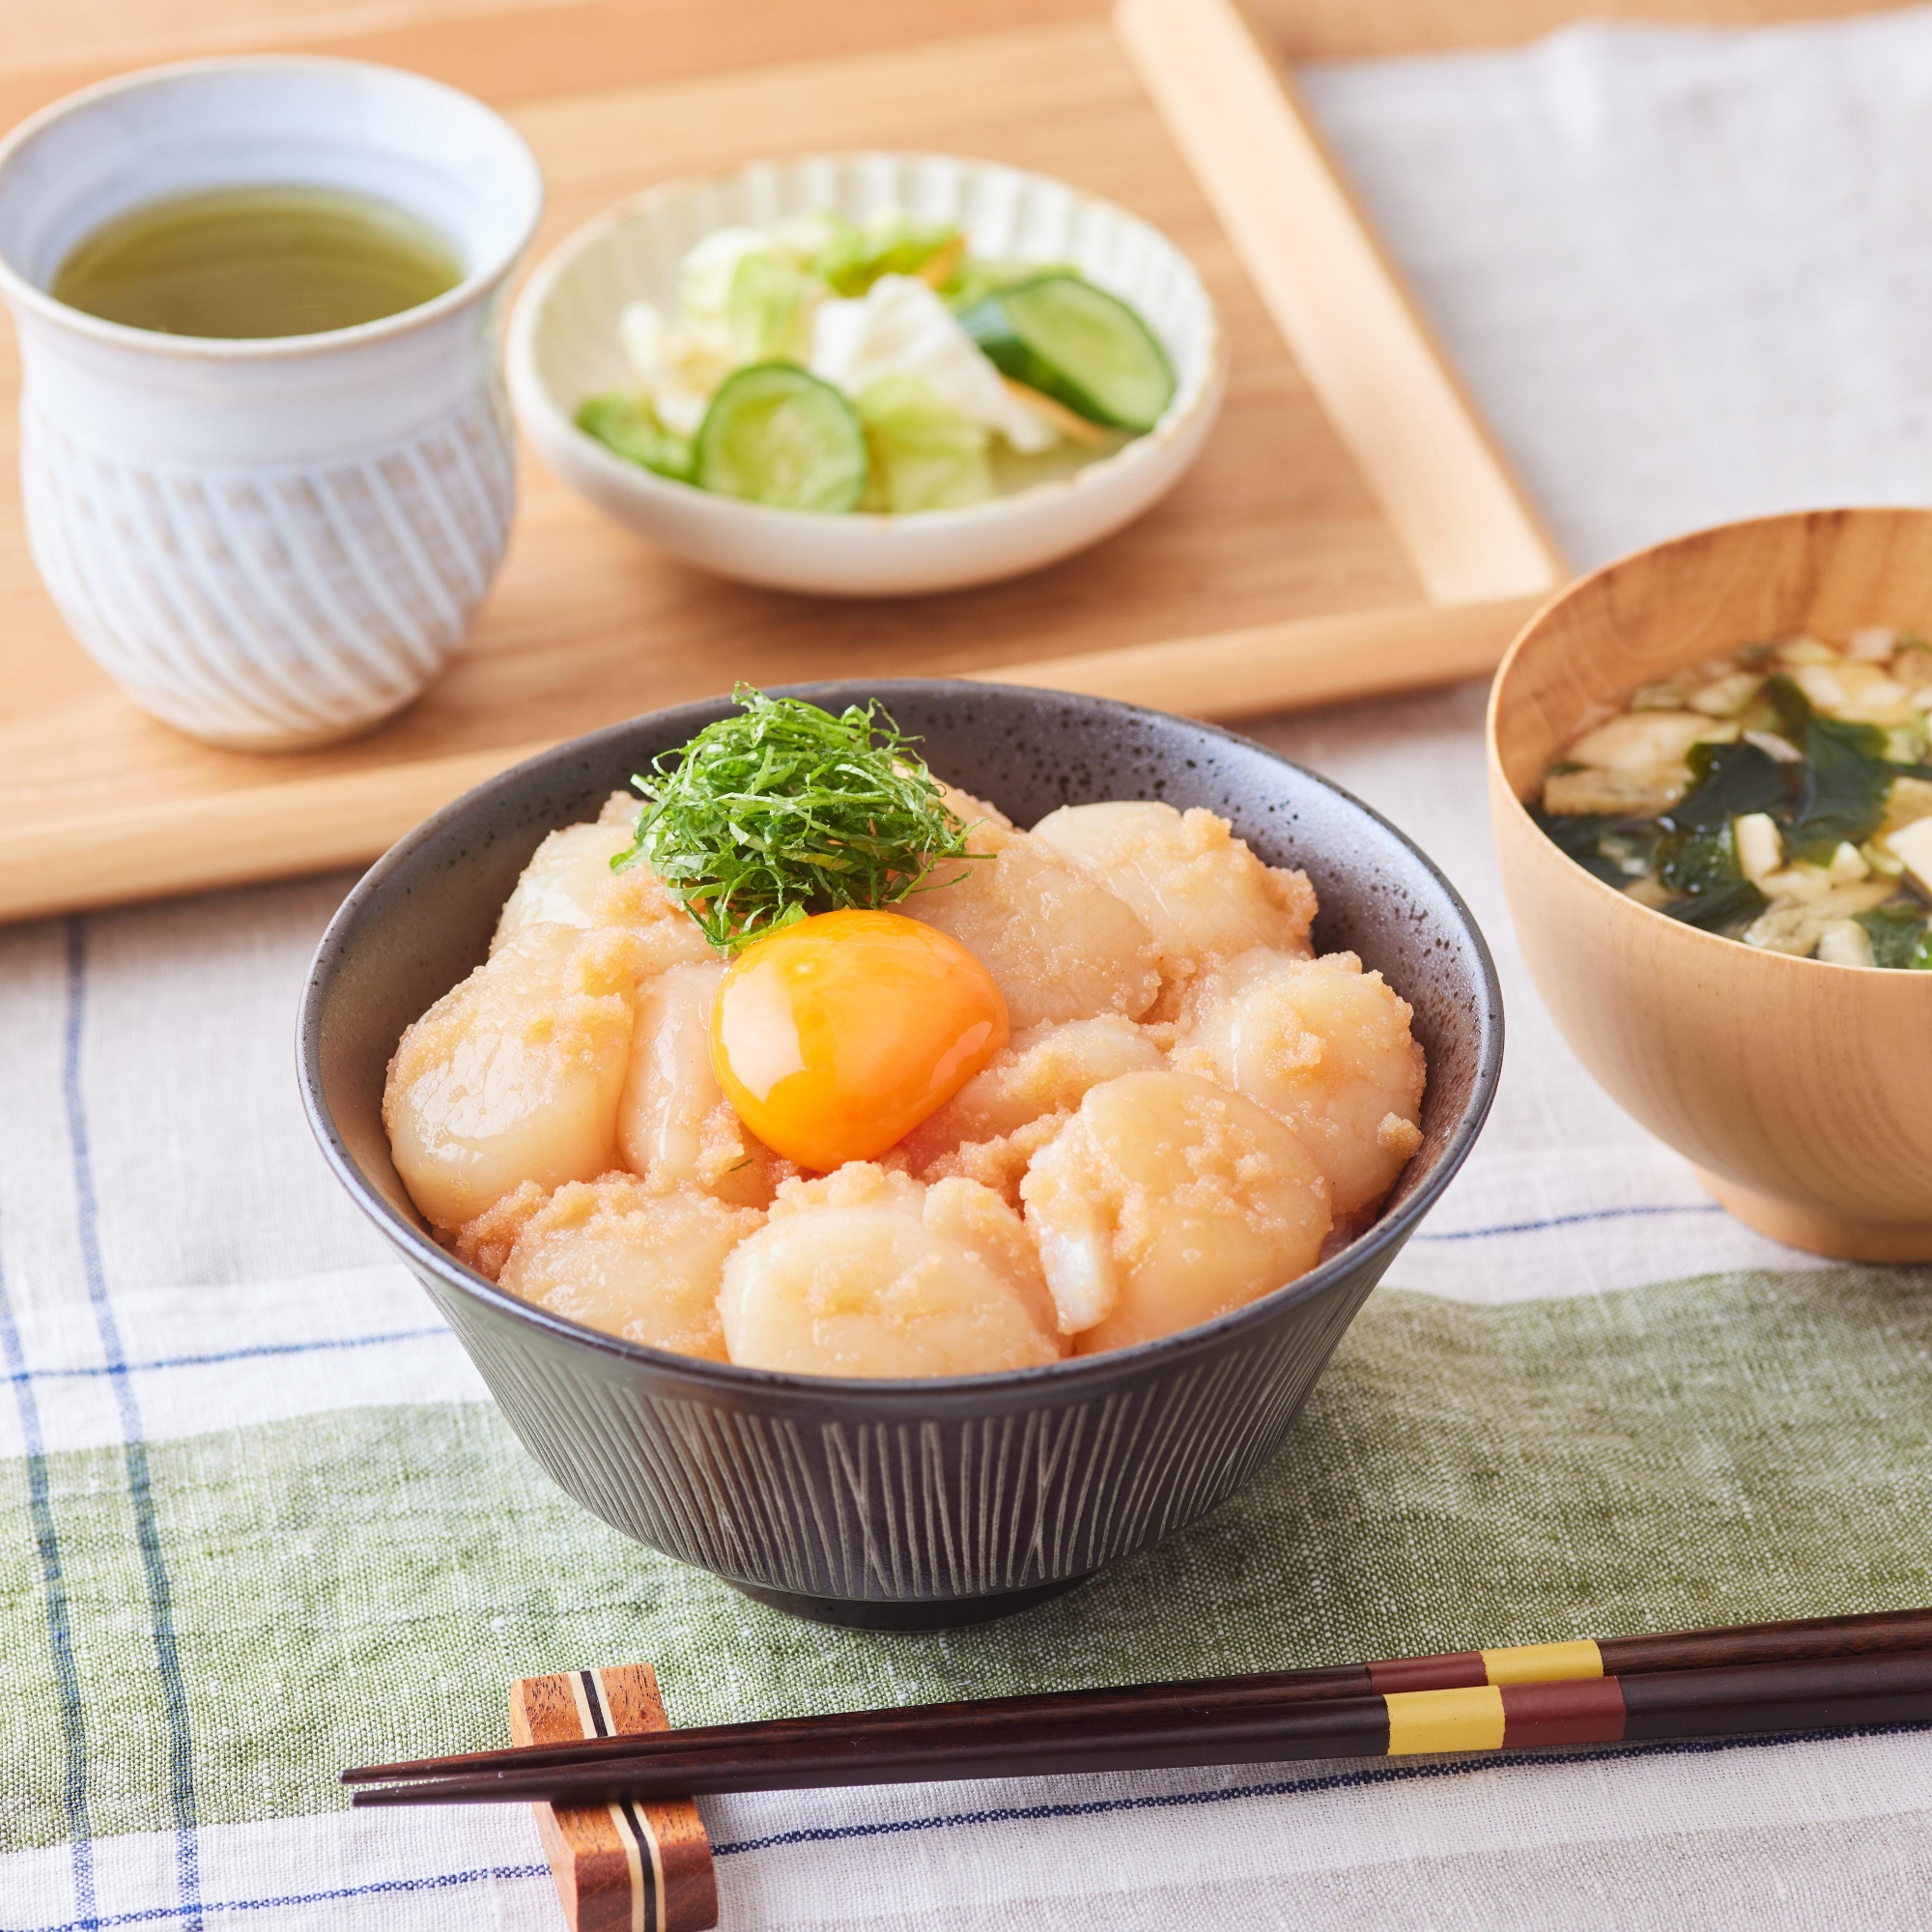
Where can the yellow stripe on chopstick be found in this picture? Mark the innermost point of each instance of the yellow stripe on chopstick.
(1470, 1718)
(1543, 1663)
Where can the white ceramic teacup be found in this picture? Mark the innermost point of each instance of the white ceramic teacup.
(272, 542)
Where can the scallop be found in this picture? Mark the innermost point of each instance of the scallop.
(1165, 1201)
(567, 876)
(617, 1256)
(865, 1272)
(1326, 1047)
(1059, 945)
(1198, 889)
(1042, 1071)
(569, 883)
(675, 1126)
(986, 824)
(514, 1075)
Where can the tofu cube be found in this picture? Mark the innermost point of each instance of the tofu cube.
(1844, 942)
(1848, 864)
(1760, 848)
(1911, 845)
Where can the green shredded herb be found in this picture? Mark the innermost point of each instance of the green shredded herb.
(783, 811)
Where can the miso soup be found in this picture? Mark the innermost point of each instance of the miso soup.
(257, 262)
(1782, 796)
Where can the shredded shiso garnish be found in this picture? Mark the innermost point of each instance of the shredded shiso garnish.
(783, 811)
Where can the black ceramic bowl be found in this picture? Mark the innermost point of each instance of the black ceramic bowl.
(906, 1504)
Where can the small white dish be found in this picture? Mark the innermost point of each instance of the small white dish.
(564, 348)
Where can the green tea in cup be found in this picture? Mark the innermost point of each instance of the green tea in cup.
(254, 262)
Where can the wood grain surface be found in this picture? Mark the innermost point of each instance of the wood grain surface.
(642, 1868)
(1348, 531)
(913, 1735)
(524, 50)
(1796, 1088)
(1275, 575)
(1380, 29)
(1339, 300)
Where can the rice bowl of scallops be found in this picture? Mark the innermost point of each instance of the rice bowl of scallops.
(901, 1148)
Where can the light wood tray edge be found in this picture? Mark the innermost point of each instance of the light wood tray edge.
(1479, 548)
(1334, 292)
(347, 818)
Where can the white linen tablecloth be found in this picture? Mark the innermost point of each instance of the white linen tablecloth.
(249, 1488)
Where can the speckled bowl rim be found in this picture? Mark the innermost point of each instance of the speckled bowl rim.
(1694, 937)
(1196, 394)
(930, 1394)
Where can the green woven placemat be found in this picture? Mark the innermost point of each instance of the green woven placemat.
(363, 1585)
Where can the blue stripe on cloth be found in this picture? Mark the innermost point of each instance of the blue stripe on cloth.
(27, 1375)
(60, 1638)
(1013, 1814)
(1021, 1814)
(375, 1888)
(1570, 1221)
(140, 1490)
(263, 1349)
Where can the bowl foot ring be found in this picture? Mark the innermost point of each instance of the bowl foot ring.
(933, 1613)
(1820, 1232)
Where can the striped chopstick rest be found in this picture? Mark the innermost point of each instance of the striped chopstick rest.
(639, 1865)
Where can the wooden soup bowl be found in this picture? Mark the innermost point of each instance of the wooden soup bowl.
(1802, 1091)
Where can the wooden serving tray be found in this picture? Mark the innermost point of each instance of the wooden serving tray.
(1350, 528)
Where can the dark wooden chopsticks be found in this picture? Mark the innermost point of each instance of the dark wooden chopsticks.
(1818, 1674)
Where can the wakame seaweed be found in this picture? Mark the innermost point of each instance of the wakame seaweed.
(1729, 902)
(1808, 800)
(1843, 783)
(1700, 860)
(1583, 836)
(1701, 864)
(1895, 932)
(1729, 780)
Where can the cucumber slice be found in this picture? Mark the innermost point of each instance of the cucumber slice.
(629, 427)
(776, 435)
(1061, 335)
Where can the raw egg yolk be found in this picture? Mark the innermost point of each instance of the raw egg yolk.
(836, 1037)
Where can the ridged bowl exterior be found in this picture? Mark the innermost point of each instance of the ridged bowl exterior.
(564, 348)
(880, 1499)
(274, 606)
